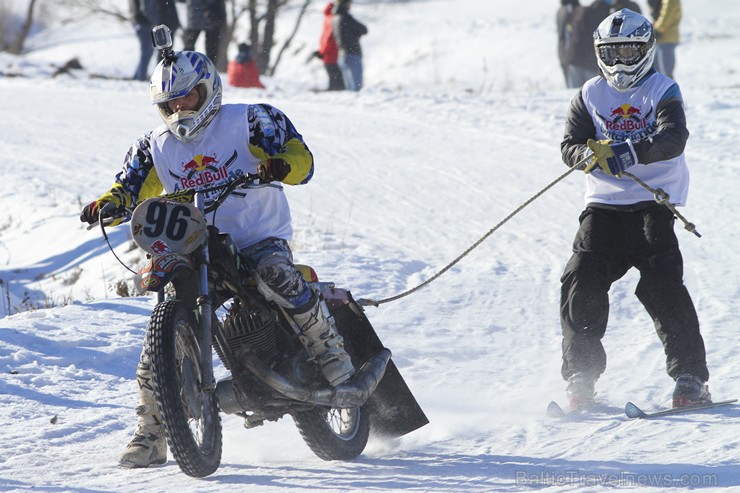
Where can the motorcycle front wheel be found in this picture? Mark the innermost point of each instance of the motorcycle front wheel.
(336, 434)
(189, 413)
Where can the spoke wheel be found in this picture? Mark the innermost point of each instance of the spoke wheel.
(336, 434)
(190, 414)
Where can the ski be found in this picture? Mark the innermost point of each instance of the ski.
(633, 411)
(555, 411)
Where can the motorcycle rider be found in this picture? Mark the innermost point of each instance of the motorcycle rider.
(203, 143)
(628, 117)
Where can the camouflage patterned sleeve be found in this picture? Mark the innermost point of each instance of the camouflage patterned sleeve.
(138, 179)
(272, 135)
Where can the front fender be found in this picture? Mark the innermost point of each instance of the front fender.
(160, 270)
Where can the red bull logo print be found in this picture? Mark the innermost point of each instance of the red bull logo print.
(626, 118)
(159, 247)
(201, 171)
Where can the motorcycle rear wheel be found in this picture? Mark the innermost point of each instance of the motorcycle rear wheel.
(190, 414)
(336, 434)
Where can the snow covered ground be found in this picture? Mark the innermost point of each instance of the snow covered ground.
(459, 124)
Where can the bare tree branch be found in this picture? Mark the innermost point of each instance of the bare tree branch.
(285, 46)
(16, 47)
(97, 7)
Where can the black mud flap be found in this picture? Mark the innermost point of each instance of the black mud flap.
(393, 408)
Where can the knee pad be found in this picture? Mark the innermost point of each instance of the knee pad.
(279, 281)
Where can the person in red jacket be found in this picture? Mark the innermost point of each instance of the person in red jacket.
(328, 51)
(242, 71)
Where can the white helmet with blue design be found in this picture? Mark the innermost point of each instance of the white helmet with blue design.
(625, 48)
(175, 76)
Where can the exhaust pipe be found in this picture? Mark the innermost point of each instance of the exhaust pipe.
(353, 393)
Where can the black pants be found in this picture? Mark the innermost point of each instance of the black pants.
(607, 245)
(336, 82)
(213, 40)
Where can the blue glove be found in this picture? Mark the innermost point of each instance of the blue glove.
(611, 158)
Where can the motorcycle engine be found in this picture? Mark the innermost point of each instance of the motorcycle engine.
(246, 328)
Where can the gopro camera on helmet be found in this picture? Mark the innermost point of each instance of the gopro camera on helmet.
(162, 40)
(161, 37)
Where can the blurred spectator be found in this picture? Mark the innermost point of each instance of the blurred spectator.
(146, 14)
(347, 33)
(579, 55)
(242, 71)
(667, 16)
(208, 16)
(328, 51)
(564, 23)
(625, 4)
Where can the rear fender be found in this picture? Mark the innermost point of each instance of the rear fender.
(161, 269)
(394, 409)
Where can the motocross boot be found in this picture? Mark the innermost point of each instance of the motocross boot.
(322, 341)
(689, 390)
(148, 446)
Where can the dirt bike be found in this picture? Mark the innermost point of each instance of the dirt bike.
(269, 373)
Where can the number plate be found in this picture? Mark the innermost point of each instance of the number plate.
(160, 226)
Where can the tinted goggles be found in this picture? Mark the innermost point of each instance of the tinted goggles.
(624, 53)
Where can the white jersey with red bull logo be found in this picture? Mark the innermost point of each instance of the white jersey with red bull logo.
(234, 143)
(634, 115)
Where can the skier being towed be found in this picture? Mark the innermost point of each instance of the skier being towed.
(632, 117)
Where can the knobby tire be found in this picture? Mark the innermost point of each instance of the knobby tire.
(336, 434)
(190, 415)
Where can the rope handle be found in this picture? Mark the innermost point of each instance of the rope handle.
(662, 198)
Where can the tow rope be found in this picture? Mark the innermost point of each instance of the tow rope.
(660, 196)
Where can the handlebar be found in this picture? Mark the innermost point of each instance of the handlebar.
(110, 213)
(248, 181)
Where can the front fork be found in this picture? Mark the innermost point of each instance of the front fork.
(205, 315)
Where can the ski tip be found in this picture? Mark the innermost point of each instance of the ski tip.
(554, 410)
(633, 411)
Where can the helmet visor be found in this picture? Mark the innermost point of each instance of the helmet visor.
(624, 53)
